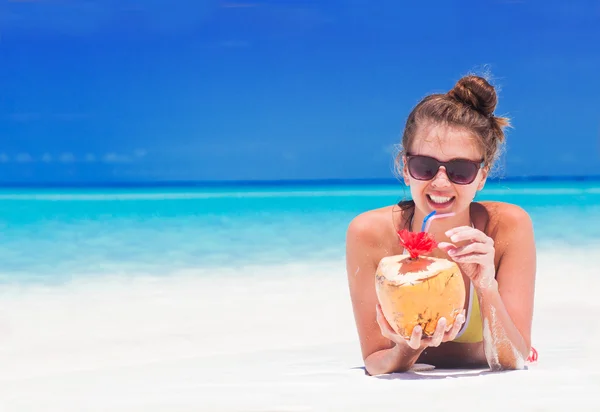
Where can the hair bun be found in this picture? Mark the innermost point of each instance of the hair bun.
(476, 92)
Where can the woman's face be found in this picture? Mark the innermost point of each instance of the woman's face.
(445, 143)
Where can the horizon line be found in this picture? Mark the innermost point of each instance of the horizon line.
(264, 183)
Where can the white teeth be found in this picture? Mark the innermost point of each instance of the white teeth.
(439, 199)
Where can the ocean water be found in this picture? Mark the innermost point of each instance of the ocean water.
(55, 236)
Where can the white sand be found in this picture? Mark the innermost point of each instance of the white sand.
(276, 339)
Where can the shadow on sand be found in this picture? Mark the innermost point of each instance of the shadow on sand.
(435, 374)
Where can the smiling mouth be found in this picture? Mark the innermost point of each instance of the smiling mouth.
(440, 201)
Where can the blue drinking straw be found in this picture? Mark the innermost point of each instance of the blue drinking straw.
(425, 220)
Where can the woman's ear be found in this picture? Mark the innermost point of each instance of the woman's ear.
(484, 175)
(405, 173)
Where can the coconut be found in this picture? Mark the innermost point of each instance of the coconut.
(419, 290)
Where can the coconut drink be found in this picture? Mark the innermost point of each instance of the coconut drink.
(414, 289)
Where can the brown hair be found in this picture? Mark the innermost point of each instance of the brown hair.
(469, 105)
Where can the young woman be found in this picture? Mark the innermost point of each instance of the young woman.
(449, 144)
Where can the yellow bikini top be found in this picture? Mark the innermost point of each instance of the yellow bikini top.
(472, 329)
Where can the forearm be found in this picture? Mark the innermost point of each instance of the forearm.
(505, 347)
(395, 359)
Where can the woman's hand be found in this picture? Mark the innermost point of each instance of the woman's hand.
(443, 332)
(476, 258)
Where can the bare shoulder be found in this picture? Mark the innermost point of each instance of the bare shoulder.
(512, 230)
(370, 237)
(370, 226)
(506, 214)
(508, 224)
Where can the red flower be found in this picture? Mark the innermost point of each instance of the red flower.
(417, 243)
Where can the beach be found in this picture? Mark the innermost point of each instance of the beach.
(177, 180)
(282, 341)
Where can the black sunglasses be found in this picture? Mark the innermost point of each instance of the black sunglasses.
(459, 171)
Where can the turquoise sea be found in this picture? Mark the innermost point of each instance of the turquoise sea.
(52, 236)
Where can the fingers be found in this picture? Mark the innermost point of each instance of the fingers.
(438, 335)
(443, 331)
(447, 247)
(479, 251)
(482, 259)
(386, 329)
(415, 338)
(476, 252)
(471, 248)
(461, 233)
(460, 320)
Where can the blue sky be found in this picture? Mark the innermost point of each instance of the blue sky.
(103, 91)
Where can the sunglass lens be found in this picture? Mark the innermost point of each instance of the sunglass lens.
(422, 168)
(462, 172)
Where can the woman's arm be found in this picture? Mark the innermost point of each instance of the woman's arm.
(395, 359)
(383, 350)
(507, 303)
(503, 274)
(363, 252)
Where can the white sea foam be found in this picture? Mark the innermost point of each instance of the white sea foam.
(272, 338)
(243, 192)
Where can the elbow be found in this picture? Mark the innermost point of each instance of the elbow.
(509, 362)
(391, 360)
(507, 366)
(376, 370)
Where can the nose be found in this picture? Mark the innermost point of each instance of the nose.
(441, 178)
